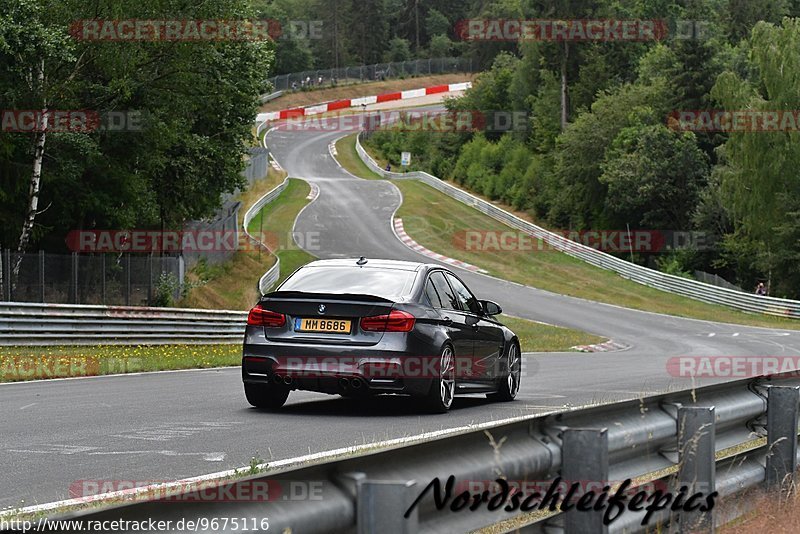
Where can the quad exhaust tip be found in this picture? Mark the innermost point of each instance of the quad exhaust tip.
(278, 379)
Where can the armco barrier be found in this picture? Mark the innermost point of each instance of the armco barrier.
(709, 439)
(274, 272)
(694, 289)
(62, 324)
(66, 324)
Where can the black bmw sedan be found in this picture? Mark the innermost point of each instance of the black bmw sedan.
(358, 327)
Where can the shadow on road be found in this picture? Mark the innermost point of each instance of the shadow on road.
(379, 406)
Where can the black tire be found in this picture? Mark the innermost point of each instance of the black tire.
(508, 387)
(442, 390)
(266, 396)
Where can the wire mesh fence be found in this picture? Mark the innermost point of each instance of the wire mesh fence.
(312, 79)
(114, 279)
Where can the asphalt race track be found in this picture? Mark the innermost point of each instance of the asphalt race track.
(166, 426)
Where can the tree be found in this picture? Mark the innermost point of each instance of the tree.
(761, 184)
(441, 46)
(654, 176)
(436, 23)
(399, 50)
(581, 149)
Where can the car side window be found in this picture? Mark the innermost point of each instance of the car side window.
(446, 297)
(465, 297)
(433, 295)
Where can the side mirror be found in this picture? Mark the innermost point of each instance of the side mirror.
(491, 308)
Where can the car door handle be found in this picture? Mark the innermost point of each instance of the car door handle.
(447, 321)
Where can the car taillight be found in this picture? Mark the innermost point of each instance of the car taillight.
(258, 316)
(396, 321)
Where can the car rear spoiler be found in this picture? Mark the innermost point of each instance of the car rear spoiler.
(328, 296)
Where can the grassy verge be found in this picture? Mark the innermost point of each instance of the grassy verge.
(276, 222)
(438, 222)
(307, 98)
(37, 363)
(538, 337)
(348, 156)
(19, 364)
(231, 285)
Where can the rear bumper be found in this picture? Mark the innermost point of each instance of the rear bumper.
(380, 368)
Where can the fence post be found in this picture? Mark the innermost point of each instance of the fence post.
(103, 277)
(128, 279)
(149, 261)
(697, 462)
(7, 276)
(381, 505)
(584, 460)
(73, 278)
(41, 276)
(782, 411)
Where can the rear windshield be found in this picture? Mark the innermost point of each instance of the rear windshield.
(386, 283)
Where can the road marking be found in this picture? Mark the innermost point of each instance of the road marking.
(28, 406)
(116, 375)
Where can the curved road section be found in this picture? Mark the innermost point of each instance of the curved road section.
(61, 438)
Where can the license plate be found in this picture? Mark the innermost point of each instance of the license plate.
(330, 326)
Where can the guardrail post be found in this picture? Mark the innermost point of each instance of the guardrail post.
(696, 462)
(783, 403)
(584, 460)
(381, 506)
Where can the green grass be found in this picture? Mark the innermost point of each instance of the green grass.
(278, 224)
(38, 363)
(539, 337)
(19, 364)
(438, 222)
(348, 157)
(232, 285)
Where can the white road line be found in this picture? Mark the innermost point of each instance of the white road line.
(279, 465)
(117, 375)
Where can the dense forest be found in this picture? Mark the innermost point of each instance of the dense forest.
(596, 149)
(186, 108)
(365, 32)
(599, 148)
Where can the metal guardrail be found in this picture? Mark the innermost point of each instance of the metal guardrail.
(274, 272)
(694, 289)
(67, 324)
(263, 99)
(706, 439)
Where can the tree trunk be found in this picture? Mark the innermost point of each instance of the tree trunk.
(33, 189)
(416, 23)
(564, 97)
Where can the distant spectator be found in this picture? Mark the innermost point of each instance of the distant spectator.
(388, 167)
(294, 86)
(761, 289)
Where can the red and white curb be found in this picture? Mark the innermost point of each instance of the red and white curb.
(608, 346)
(314, 193)
(416, 247)
(358, 102)
(275, 165)
(334, 153)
